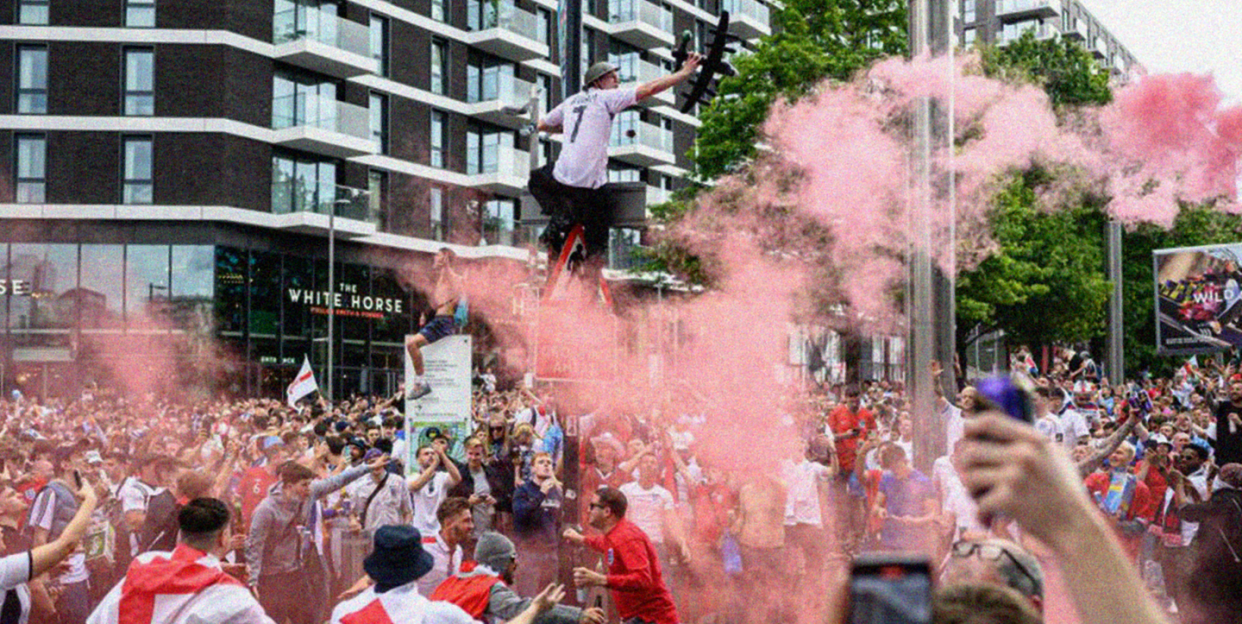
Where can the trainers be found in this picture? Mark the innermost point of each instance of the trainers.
(418, 391)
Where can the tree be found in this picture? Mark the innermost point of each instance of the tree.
(1045, 281)
(812, 40)
(1063, 68)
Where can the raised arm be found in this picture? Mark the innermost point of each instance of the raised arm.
(47, 556)
(648, 89)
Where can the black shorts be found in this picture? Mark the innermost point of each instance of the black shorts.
(567, 206)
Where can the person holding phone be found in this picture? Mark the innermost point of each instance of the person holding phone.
(17, 570)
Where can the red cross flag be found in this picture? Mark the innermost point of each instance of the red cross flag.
(303, 384)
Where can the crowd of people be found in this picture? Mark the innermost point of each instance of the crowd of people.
(308, 514)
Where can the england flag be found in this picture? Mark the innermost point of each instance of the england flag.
(303, 384)
(399, 605)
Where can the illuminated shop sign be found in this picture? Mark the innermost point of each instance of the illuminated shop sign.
(21, 288)
(347, 302)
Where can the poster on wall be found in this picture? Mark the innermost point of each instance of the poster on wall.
(1198, 299)
(446, 411)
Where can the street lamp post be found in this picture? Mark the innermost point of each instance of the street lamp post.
(332, 290)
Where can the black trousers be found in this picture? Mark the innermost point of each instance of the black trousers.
(567, 206)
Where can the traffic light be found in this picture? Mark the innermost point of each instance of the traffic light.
(713, 64)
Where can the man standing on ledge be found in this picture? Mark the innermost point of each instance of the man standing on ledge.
(569, 190)
(444, 299)
(634, 575)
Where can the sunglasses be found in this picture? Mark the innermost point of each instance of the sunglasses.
(992, 552)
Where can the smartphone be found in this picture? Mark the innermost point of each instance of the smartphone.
(890, 588)
(1007, 394)
(77, 479)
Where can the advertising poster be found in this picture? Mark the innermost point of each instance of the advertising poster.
(1198, 297)
(446, 411)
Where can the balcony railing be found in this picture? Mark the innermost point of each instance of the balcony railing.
(501, 159)
(486, 15)
(751, 9)
(502, 89)
(302, 23)
(1014, 32)
(294, 196)
(1006, 8)
(642, 134)
(643, 12)
(291, 111)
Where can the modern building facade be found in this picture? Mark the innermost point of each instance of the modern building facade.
(193, 155)
(1001, 21)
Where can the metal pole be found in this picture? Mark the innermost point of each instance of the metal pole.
(331, 292)
(1116, 341)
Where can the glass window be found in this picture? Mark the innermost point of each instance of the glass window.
(437, 10)
(33, 12)
(439, 65)
(379, 42)
(138, 184)
(101, 303)
(193, 273)
(302, 183)
(146, 282)
(969, 10)
(140, 13)
(436, 200)
(230, 290)
(139, 81)
(545, 85)
(377, 196)
(265, 293)
(544, 34)
(51, 271)
(498, 221)
(483, 145)
(968, 36)
(379, 121)
(31, 169)
(439, 124)
(32, 79)
(485, 75)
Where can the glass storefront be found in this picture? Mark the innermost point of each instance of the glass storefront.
(265, 311)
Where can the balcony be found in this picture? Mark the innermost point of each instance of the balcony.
(657, 195)
(504, 170)
(499, 99)
(1013, 32)
(1100, 49)
(641, 24)
(502, 29)
(1079, 32)
(1011, 10)
(321, 126)
(634, 73)
(642, 144)
(307, 210)
(748, 19)
(322, 43)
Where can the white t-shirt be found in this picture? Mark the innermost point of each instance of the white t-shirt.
(41, 516)
(647, 508)
(1073, 426)
(586, 124)
(802, 492)
(427, 500)
(1050, 426)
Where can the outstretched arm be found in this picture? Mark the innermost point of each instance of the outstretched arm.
(648, 89)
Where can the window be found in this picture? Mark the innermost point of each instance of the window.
(379, 121)
(137, 185)
(439, 65)
(545, 85)
(588, 49)
(139, 81)
(31, 168)
(377, 194)
(544, 34)
(439, 124)
(303, 183)
(379, 43)
(436, 204)
(969, 11)
(303, 99)
(32, 80)
(437, 10)
(498, 221)
(140, 13)
(485, 75)
(968, 36)
(33, 12)
(484, 143)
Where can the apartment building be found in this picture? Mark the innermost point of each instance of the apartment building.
(1001, 21)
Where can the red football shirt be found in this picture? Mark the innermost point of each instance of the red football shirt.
(253, 489)
(634, 574)
(842, 420)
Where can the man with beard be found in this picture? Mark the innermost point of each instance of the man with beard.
(484, 587)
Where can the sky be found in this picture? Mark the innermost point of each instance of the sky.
(1199, 36)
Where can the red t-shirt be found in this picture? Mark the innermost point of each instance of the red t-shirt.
(253, 489)
(842, 421)
(634, 575)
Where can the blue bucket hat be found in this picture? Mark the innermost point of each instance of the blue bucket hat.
(398, 557)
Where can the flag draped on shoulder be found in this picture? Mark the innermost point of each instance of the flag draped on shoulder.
(303, 384)
(400, 605)
(179, 587)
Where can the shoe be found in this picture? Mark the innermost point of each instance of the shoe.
(417, 392)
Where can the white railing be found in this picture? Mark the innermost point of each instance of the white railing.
(506, 89)
(624, 11)
(504, 160)
(309, 23)
(1005, 7)
(757, 11)
(291, 111)
(639, 72)
(505, 16)
(657, 195)
(641, 133)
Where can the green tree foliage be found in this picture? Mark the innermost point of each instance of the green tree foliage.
(812, 40)
(1066, 70)
(1195, 225)
(1045, 281)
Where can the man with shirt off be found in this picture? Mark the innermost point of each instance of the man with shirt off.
(634, 573)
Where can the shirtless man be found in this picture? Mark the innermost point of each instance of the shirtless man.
(445, 297)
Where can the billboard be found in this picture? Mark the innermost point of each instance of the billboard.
(1198, 298)
(447, 368)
